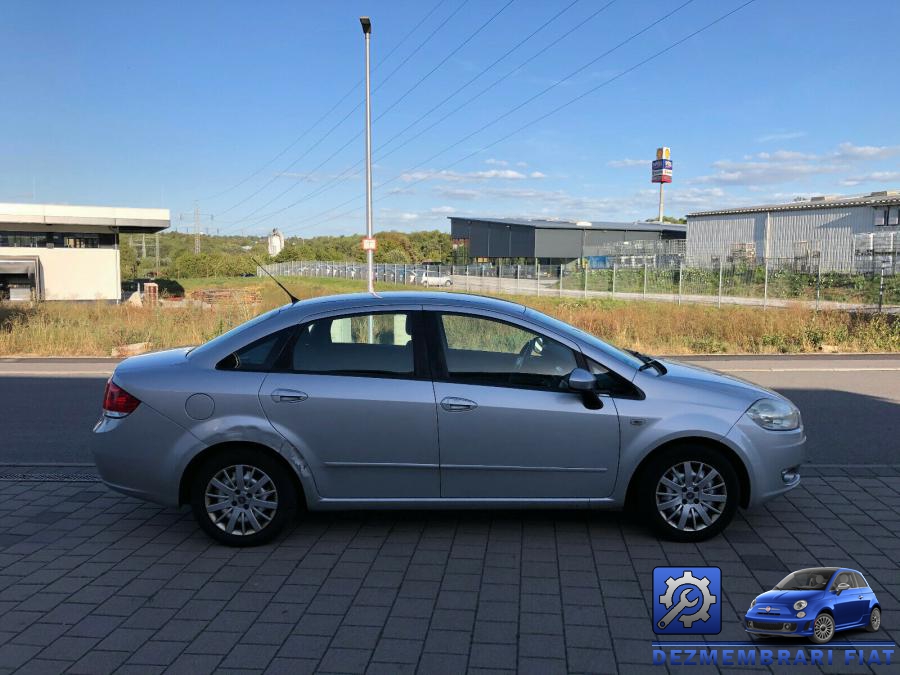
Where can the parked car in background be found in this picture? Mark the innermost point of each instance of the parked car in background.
(434, 278)
(815, 603)
(418, 399)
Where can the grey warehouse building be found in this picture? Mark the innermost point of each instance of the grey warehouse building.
(837, 233)
(548, 241)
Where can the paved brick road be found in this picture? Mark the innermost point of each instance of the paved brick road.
(93, 582)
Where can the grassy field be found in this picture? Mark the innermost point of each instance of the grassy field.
(64, 329)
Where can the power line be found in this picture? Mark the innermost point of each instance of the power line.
(334, 180)
(415, 85)
(325, 116)
(540, 118)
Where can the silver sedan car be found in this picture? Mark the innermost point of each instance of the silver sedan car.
(426, 399)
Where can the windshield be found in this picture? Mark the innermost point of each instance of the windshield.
(605, 347)
(212, 344)
(806, 580)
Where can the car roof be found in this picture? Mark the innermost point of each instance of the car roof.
(392, 298)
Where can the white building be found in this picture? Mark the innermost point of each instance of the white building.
(58, 252)
(844, 233)
(276, 242)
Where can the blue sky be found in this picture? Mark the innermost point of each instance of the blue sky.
(164, 103)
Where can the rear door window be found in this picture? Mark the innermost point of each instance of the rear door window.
(360, 344)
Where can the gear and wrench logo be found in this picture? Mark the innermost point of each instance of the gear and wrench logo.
(687, 599)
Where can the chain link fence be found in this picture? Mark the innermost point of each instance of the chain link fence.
(732, 280)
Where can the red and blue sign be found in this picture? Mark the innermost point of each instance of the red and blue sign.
(662, 171)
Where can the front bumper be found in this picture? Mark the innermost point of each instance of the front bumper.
(775, 625)
(772, 458)
(140, 455)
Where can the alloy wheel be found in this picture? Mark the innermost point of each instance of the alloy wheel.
(691, 496)
(241, 499)
(823, 628)
(875, 619)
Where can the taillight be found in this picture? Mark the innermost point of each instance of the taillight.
(117, 402)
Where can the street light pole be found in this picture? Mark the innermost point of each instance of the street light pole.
(367, 31)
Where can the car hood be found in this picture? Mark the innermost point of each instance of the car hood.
(694, 376)
(786, 597)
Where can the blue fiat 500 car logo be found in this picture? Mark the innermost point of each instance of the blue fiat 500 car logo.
(815, 603)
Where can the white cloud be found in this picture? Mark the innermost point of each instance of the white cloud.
(780, 136)
(537, 174)
(784, 166)
(443, 209)
(408, 216)
(627, 163)
(873, 177)
(862, 152)
(496, 162)
(455, 176)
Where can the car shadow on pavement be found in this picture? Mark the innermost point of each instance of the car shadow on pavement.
(848, 428)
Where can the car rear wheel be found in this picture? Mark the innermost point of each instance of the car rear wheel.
(823, 629)
(689, 493)
(874, 620)
(242, 497)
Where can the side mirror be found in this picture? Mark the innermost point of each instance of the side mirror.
(581, 380)
(842, 587)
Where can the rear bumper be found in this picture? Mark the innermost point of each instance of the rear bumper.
(773, 458)
(139, 455)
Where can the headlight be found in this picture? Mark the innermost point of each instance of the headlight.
(774, 414)
(753, 603)
(800, 604)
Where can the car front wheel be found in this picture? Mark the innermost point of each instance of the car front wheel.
(874, 620)
(823, 629)
(242, 497)
(689, 493)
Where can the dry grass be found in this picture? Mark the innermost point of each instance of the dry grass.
(64, 329)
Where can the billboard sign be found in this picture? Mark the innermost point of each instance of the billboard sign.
(662, 166)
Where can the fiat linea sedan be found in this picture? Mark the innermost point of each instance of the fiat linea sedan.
(426, 399)
(815, 603)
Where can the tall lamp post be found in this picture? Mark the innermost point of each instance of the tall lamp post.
(367, 31)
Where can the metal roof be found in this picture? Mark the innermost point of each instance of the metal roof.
(540, 224)
(118, 219)
(884, 198)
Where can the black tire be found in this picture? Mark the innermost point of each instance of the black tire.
(699, 457)
(824, 636)
(874, 620)
(258, 466)
(448, 283)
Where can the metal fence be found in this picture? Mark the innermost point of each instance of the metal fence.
(771, 282)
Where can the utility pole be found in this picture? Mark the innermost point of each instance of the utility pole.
(157, 254)
(370, 259)
(197, 216)
(143, 245)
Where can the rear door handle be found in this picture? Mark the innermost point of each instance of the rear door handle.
(288, 396)
(455, 404)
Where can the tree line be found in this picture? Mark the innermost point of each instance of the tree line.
(228, 256)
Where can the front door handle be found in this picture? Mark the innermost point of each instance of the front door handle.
(288, 396)
(455, 404)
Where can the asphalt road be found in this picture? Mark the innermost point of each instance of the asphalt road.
(850, 404)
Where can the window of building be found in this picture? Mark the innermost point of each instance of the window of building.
(57, 239)
(361, 344)
(490, 352)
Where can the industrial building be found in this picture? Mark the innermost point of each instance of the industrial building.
(838, 233)
(550, 242)
(60, 252)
